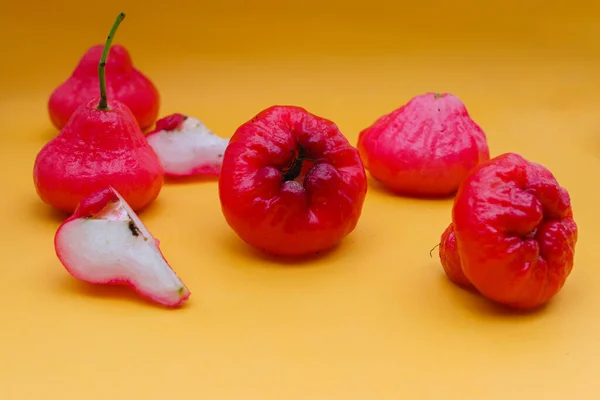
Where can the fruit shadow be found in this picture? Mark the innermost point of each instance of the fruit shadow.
(38, 211)
(475, 302)
(233, 244)
(110, 292)
(382, 189)
(154, 206)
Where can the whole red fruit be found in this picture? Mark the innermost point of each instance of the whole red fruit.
(515, 231)
(95, 150)
(424, 148)
(124, 83)
(291, 183)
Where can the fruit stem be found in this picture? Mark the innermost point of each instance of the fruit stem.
(431, 251)
(103, 104)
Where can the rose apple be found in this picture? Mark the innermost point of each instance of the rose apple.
(291, 183)
(515, 231)
(424, 148)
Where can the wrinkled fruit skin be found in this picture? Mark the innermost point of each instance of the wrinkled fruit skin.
(424, 148)
(308, 214)
(97, 149)
(450, 259)
(515, 231)
(123, 83)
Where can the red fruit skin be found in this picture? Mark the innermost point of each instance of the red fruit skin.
(93, 204)
(515, 231)
(296, 217)
(169, 123)
(424, 148)
(450, 258)
(97, 149)
(123, 83)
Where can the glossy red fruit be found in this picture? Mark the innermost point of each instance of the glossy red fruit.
(424, 148)
(450, 259)
(94, 150)
(515, 231)
(124, 83)
(101, 146)
(291, 184)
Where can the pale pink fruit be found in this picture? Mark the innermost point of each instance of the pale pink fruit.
(104, 242)
(186, 147)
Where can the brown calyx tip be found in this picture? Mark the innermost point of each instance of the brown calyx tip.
(437, 95)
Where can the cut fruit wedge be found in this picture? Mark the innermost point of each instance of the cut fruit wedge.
(186, 147)
(105, 242)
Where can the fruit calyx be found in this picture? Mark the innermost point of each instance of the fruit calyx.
(294, 168)
(298, 167)
(103, 103)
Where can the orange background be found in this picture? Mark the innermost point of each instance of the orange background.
(376, 319)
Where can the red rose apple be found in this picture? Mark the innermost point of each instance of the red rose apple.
(515, 231)
(291, 183)
(424, 148)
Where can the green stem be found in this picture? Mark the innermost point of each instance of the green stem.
(103, 105)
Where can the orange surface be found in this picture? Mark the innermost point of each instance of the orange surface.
(376, 319)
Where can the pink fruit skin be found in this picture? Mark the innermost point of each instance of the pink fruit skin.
(95, 150)
(90, 206)
(123, 83)
(424, 148)
(206, 170)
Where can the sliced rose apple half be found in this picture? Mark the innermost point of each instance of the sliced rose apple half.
(104, 242)
(186, 147)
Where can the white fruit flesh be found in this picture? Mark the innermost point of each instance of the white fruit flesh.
(116, 246)
(189, 149)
